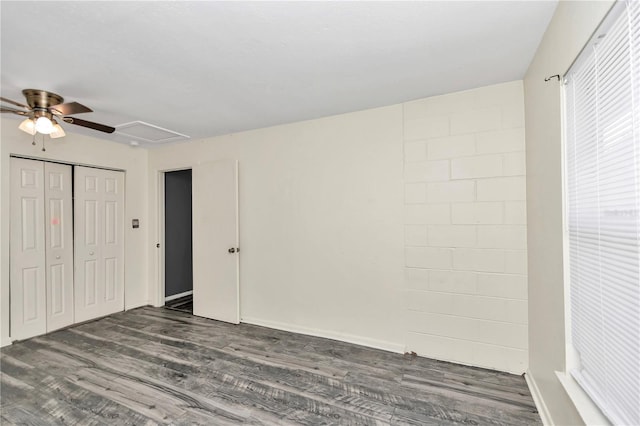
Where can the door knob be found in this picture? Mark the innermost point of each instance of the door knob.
(232, 250)
(58, 257)
(90, 253)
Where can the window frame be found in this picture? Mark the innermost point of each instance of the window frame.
(585, 405)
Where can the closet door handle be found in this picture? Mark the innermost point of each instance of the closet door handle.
(57, 257)
(90, 253)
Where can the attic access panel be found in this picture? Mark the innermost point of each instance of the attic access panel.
(145, 132)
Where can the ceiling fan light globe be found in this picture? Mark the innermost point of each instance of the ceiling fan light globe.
(44, 125)
(58, 132)
(28, 126)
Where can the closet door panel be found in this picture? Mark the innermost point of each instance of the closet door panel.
(27, 241)
(59, 245)
(31, 297)
(90, 286)
(111, 279)
(99, 250)
(113, 237)
(88, 218)
(56, 300)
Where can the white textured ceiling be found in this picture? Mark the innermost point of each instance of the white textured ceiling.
(211, 68)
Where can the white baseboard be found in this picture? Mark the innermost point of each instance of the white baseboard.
(538, 399)
(134, 305)
(343, 337)
(178, 296)
(5, 342)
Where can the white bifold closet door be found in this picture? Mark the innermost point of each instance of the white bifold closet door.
(41, 240)
(99, 242)
(59, 241)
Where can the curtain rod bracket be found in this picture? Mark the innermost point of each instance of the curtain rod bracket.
(553, 76)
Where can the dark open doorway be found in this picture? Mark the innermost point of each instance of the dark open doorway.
(178, 269)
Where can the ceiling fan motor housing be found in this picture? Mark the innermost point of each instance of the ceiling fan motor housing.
(39, 112)
(41, 99)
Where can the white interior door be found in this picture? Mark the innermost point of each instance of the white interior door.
(99, 242)
(58, 224)
(27, 240)
(215, 241)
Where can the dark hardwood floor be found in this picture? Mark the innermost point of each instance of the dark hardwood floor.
(158, 366)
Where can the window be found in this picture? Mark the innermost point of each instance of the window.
(602, 199)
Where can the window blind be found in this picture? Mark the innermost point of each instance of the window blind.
(602, 199)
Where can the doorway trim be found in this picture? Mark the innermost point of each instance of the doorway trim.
(160, 245)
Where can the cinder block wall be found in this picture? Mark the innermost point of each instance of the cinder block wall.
(465, 227)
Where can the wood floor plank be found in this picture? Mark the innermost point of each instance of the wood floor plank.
(159, 366)
(54, 382)
(305, 375)
(469, 387)
(290, 396)
(285, 401)
(37, 406)
(152, 390)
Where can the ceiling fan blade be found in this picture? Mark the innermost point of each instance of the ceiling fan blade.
(15, 111)
(9, 101)
(89, 124)
(69, 109)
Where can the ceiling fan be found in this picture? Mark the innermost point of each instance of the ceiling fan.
(42, 110)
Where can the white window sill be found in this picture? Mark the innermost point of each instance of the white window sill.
(590, 413)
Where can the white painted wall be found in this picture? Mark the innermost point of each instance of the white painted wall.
(465, 227)
(570, 28)
(320, 216)
(322, 225)
(78, 149)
